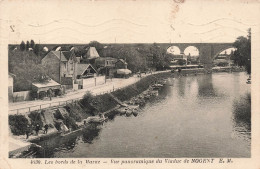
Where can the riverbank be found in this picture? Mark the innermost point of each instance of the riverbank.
(73, 114)
(125, 101)
(173, 124)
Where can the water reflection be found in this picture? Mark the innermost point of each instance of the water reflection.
(90, 133)
(165, 92)
(181, 86)
(205, 87)
(194, 117)
(242, 116)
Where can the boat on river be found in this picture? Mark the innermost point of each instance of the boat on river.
(96, 119)
(157, 86)
(129, 110)
(122, 110)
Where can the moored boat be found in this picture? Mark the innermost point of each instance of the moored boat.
(96, 119)
(157, 86)
(129, 112)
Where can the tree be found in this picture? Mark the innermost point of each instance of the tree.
(22, 46)
(37, 49)
(27, 45)
(242, 54)
(27, 73)
(160, 59)
(24, 64)
(32, 44)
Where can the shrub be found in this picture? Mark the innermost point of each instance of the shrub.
(88, 97)
(89, 102)
(70, 122)
(104, 102)
(73, 112)
(35, 117)
(18, 124)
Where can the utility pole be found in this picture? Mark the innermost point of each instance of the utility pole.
(125, 63)
(60, 68)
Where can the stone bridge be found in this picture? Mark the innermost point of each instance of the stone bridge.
(207, 51)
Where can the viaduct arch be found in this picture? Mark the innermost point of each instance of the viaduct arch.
(207, 51)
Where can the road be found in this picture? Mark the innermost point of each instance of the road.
(110, 85)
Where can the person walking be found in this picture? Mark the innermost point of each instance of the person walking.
(50, 93)
(37, 128)
(46, 126)
(27, 132)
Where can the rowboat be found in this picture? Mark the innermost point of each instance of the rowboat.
(157, 86)
(96, 119)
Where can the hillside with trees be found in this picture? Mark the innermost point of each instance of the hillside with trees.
(25, 65)
(139, 57)
(25, 59)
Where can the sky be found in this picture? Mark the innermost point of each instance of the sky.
(141, 21)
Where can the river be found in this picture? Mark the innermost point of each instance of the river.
(194, 117)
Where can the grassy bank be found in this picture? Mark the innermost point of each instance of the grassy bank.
(88, 106)
(102, 103)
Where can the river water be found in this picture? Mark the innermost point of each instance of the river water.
(193, 117)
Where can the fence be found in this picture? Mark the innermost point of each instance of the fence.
(41, 106)
(59, 103)
(55, 104)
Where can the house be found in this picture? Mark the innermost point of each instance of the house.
(121, 69)
(91, 55)
(71, 64)
(121, 64)
(41, 89)
(60, 64)
(105, 65)
(108, 62)
(85, 71)
(87, 76)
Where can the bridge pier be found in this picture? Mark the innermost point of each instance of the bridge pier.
(207, 51)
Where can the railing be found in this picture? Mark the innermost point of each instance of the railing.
(41, 106)
(59, 103)
(56, 104)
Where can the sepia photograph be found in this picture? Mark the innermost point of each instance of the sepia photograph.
(129, 79)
